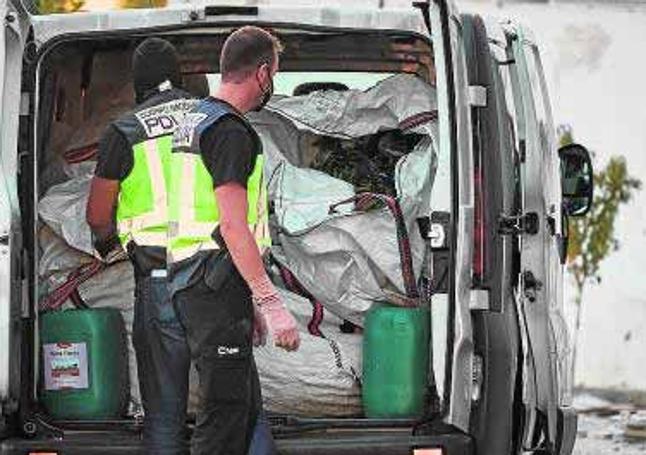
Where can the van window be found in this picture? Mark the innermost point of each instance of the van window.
(286, 83)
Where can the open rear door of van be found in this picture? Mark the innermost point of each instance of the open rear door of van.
(540, 292)
(495, 328)
(11, 45)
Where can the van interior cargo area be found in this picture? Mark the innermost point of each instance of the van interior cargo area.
(351, 160)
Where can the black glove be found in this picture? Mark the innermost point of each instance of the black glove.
(110, 249)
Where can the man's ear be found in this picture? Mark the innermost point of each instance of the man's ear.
(263, 72)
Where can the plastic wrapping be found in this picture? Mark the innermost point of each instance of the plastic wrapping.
(63, 209)
(318, 380)
(348, 260)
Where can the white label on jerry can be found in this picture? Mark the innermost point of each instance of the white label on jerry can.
(65, 366)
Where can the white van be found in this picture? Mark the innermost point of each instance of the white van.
(486, 194)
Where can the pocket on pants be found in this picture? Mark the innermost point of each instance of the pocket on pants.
(164, 312)
(225, 376)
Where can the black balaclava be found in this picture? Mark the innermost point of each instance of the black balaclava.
(154, 62)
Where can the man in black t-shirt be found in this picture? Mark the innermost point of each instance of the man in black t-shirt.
(217, 228)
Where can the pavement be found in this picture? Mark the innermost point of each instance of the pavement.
(602, 428)
(604, 435)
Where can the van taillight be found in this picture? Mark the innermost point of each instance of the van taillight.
(478, 226)
(427, 452)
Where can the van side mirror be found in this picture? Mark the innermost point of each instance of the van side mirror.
(576, 179)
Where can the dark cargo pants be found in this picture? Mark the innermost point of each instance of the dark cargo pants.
(163, 361)
(218, 319)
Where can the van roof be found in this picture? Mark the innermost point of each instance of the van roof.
(409, 19)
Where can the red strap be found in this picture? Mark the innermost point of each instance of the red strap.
(293, 285)
(77, 300)
(314, 326)
(69, 289)
(81, 154)
(366, 201)
(418, 120)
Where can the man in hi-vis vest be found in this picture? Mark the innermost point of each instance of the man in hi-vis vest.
(218, 227)
(127, 211)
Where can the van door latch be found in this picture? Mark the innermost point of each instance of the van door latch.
(516, 225)
(531, 285)
(436, 229)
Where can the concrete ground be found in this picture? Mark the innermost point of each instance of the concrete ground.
(602, 427)
(604, 436)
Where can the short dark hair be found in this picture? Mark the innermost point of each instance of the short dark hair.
(246, 49)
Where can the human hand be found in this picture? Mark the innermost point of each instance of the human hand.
(110, 250)
(280, 321)
(259, 327)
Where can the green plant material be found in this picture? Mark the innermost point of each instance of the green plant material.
(592, 237)
(367, 162)
(59, 6)
(127, 4)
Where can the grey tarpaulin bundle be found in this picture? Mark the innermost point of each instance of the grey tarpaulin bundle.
(347, 259)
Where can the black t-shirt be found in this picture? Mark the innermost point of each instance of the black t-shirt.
(114, 158)
(229, 150)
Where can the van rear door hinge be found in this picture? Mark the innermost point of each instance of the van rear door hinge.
(527, 223)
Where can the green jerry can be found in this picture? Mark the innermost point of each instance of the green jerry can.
(84, 369)
(395, 361)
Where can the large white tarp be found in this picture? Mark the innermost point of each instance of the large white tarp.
(347, 260)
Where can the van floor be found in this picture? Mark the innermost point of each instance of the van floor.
(356, 443)
(375, 440)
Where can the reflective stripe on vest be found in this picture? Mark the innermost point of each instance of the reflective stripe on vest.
(193, 210)
(141, 212)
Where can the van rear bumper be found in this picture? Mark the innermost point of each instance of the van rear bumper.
(332, 444)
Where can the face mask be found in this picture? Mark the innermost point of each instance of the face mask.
(266, 95)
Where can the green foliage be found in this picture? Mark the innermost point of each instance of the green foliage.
(59, 6)
(592, 237)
